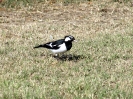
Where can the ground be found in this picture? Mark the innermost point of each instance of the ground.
(98, 66)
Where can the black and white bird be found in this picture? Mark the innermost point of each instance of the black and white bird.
(59, 46)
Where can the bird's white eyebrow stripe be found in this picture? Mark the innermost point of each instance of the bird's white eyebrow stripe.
(67, 39)
(70, 36)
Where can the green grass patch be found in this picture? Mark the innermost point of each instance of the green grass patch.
(106, 73)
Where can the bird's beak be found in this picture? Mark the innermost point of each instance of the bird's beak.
(75, 41)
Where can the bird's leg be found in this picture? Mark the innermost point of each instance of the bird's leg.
(56, 55)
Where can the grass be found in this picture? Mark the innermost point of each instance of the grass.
(20, 4)
(98, 66)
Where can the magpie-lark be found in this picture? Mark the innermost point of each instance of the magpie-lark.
(59, 46)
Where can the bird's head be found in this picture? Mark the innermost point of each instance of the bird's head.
(69, 38)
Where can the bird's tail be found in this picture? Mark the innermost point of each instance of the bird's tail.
(39, 46)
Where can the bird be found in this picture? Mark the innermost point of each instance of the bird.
(59, 46)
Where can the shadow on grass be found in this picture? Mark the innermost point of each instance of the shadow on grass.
(70, 57)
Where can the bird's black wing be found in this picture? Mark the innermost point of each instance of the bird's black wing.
(54, 44)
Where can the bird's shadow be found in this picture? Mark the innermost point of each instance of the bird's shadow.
(69, 57)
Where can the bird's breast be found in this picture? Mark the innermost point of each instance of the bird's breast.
(62, 48)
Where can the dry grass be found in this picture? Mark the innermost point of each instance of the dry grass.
(98, 66)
